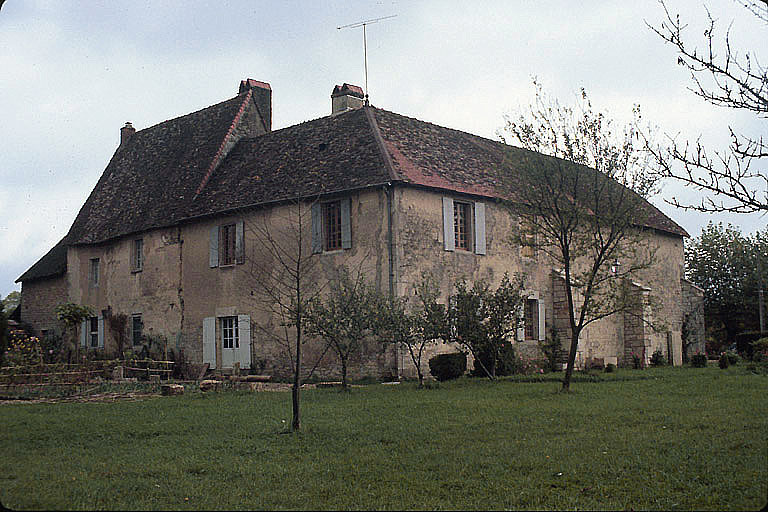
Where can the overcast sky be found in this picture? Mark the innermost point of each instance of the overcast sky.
(72, 73)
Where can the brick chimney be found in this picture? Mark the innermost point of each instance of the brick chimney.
(262, 94)
(126, 132)
(346, 97)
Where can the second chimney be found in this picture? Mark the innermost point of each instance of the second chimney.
(262, 94)
(126, 132)
(346, 97)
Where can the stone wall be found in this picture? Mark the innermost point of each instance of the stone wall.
(39, 299)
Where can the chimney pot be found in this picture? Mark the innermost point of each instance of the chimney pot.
(346, 97)
(126, 132)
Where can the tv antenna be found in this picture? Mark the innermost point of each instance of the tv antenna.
(365, 44)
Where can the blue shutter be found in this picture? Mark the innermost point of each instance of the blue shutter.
(84, 334)
(213, 258)
(449, 236)
(317, 229)
(209, 341)
(542, 321)
(239, 248)
(244, 331)
(479, 228)
(101, 332)
(346, 230)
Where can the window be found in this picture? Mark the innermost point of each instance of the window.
(93, 332)
(227, 239)
(137, 326)
(137, 255)
(531, 319)
(528, 232)
(93, 272)
(332, 225)
(229, 332)
(462, 226)
(227, 245)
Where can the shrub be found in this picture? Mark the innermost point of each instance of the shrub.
(745, 342)
(553, 351)
(448, 366)
(610, 368)
(733, 357)
(723, 361)
(637, 364)
(657, 359)
(505, 363)
(699, 360)
(759, 349)
(22, 349)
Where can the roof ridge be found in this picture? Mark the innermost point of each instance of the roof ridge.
(380, 142)
(217, 157)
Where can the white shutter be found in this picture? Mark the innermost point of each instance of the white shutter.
(449, 237)
(84, 334)
(239, 248)
(101, 332)
(213, 258)
(209, 341)
(346, 229)
(521, 324)
(480, 228)
(244, 330)
(317, 229)
(542, 322)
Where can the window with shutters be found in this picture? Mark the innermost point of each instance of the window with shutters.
(332, 225)
(227, 243)
(531, 319)
(93, 332)
(230, 337)
(137, 328)
(93, 272)
(137, 255)
(462, 225)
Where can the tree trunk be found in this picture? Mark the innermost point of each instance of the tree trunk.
(296, 391)
(571, 361)
(344, 374)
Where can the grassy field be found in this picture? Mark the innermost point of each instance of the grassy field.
(659, 439)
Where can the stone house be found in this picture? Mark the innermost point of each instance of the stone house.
(167, 235)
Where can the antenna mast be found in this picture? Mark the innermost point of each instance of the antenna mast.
(365, 44)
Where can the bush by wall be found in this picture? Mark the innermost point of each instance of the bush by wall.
(448, 366)
(505, 364)
(657, 359)
(699, 360)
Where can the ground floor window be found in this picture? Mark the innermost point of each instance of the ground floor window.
(137, 327)
(531, 319)
(229, 332)
(93, 332)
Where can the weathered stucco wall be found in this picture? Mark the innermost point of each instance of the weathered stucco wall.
(153, 292)
(243, 289)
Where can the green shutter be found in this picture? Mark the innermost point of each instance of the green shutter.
(317, 228)
(213, 258)
(449, 236)
(346, 229)
(479, 228)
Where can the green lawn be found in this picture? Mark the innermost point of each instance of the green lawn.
(659, 439)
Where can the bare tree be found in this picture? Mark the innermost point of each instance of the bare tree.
(735, 180)
(581, 203)
(284, 278)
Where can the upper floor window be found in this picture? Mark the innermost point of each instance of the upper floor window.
(331, 226)
(137, 255)
(226, 246)
(463, 226)
(93, 272)
(227, 241)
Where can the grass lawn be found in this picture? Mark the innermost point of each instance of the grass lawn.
(658, 439)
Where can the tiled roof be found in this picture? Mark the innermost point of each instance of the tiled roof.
(52, 264)
(180, 169)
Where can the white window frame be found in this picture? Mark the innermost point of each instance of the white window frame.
(137, 255)
(476, 224)
(230, 336)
